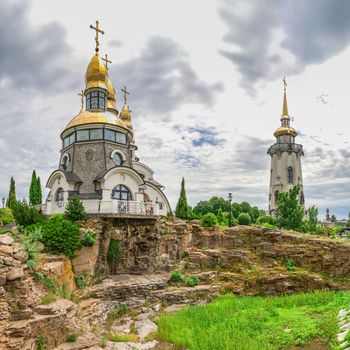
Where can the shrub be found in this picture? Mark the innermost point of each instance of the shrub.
(48, 299)
(41, 343)
(80, 282)
(244, 219)
(61, 236)
(89, 238)
(265, 219)
(6, 216)
(289, 263)
(31, 248)
(75, 210)
(192, 281)
(176, 277)
(34, 232)
(25, 215)
(209, 220)
(113, 251)
(72, 337)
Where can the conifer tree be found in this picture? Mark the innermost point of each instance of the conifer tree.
(40, 192)
(75, 210)
(32, 189)
(11, 199)
(181, 210)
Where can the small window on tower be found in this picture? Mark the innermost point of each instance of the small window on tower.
(290, 175)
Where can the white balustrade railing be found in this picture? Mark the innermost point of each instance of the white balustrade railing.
(115, 206)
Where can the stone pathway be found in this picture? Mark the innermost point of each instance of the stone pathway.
(343, 333)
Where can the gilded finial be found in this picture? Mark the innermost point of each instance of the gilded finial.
(81, 94)
(285, 106)
(125, 93)
(106, 61)
(98, 30)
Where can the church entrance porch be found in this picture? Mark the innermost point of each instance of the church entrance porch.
(114, 207)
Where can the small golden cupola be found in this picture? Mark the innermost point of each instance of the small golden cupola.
(285, 133)
(125, 114)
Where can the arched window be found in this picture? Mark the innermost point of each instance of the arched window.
(65, 161)
(122, 193)
(276, 195)
(290, 175)
(59, 195)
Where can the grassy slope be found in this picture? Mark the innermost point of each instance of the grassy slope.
(251, 323)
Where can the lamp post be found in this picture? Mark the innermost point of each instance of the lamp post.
(3, 201)
(230, 217)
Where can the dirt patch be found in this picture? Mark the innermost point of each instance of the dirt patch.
(314, 344)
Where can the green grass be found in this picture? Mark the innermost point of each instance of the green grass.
(250, 323)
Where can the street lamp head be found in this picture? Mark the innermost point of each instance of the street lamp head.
(3, 201)
(230, 197)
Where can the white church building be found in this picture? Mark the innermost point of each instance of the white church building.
(98, 161)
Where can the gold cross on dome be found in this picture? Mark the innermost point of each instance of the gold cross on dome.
(106, 61)
(285, 83)
(81, 94)
(98, 30)
(125, 93)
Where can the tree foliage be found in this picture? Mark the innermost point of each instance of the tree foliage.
(289, 213)
(11, 199)
(182, 209)
(75, 210)
(209, 220)
(35, 192)
(61, 236)
(215, 204)
(244, 219)
(26, 215)
(6, 215)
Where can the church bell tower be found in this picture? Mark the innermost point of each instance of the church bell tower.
(285, 159)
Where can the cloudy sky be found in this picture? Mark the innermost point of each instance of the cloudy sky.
(205, 83)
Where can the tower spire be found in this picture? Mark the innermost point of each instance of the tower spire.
(285, 106)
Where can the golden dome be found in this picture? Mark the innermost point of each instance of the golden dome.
(125, 115)
(112, 97)
(284, 130)
(96, 75)
(87, 117)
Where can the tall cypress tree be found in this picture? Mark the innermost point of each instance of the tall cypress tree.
(40, 192)
(11, 199)
(33, 190)
(181, 210)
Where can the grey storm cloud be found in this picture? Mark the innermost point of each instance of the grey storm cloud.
(31, 56)
(161, 79)
(313, 31)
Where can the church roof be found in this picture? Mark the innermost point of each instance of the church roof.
(91, 117)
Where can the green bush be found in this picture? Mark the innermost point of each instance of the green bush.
(80, 282)
(72, 337)
(209, 220)
(6, 216)
(31, 248)
(265, 219)
(244, 219)
(89, 238)
(176, 277)
(61, 236)
(26, 215)
(113, 251)
(192, 281)
(75, 210)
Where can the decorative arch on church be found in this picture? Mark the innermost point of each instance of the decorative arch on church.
(290, 175)
(121, 192)
(59, 195)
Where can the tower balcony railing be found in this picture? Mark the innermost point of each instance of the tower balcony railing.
(114, 207)
(286, 147)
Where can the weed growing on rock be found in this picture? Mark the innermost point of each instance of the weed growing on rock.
(289, 264)
(89, 238)
(72, 337)
(48, 299)
(41, 343)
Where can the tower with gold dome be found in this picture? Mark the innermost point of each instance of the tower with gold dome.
(286, 156)
(98, 162)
